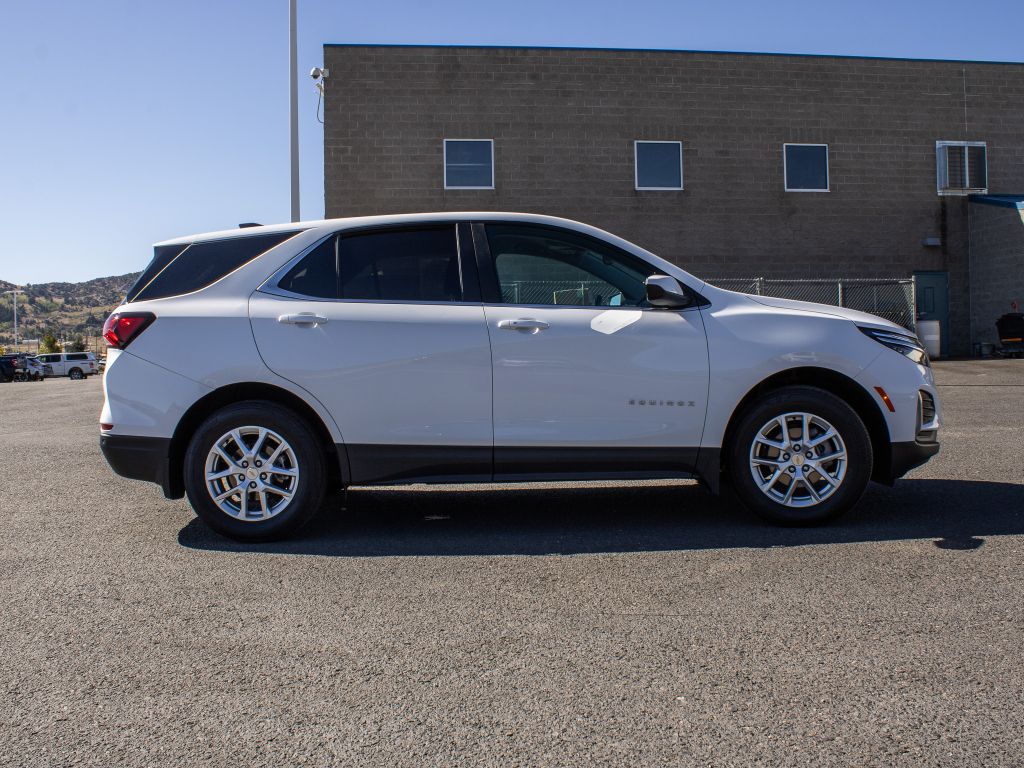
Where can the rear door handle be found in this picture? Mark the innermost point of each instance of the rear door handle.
(525, 324)
(302, 318)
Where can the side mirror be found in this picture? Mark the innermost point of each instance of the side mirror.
(665, 291)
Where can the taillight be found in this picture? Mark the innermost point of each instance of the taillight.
(122, 327)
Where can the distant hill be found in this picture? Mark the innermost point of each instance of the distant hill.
(64, 309)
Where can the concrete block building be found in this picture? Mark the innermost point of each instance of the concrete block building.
(731, 165)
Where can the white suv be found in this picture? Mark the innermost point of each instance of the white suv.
(254, 369)
(74, 365)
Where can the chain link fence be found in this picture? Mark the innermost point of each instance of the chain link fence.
(892, 299)
(580, 293)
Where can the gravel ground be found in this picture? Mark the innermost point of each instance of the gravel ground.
(580, 624)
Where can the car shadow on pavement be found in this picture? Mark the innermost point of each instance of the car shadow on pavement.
(523, 520)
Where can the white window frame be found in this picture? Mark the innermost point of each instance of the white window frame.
(636, 167)
(942, 167)
(445, 166)
(828, 169)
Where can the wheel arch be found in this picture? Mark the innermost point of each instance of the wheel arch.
(835, 383)
(337, 459)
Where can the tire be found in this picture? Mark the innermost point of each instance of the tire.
(75, 374)
(281, 504)
(821, 489)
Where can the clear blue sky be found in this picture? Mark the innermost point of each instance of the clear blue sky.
(123, 123)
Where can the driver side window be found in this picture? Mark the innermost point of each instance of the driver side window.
(546, 266)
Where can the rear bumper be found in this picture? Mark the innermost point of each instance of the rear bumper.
(906, 456)
(141, 458)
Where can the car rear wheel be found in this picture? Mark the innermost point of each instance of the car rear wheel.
(254, 471)
(800, 456)
(75, 374)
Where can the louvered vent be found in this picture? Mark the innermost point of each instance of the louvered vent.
(962, 167)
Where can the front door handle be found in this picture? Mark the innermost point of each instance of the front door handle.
(302, 318)
(524, 324)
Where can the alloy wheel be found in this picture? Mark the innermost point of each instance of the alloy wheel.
(251, 473)
(798, 459)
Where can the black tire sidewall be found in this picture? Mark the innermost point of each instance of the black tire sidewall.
(294, 429)
(820, 403)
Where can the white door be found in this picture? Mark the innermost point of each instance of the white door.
(376, 326)
(588, 380)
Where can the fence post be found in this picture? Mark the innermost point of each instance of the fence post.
(759, 286)
(840, 293)
(913, 305)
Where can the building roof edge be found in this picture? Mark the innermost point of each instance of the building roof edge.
(465, 46)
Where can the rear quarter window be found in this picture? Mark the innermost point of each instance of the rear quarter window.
(199, 264)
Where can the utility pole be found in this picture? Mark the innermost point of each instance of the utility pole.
(293, 95)
(14, 295)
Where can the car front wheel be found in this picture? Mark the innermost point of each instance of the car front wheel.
(800, 456)
(254, 471)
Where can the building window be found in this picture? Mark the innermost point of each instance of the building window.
(805, 167)
(961, 167)
(468, 164)
(659, 164)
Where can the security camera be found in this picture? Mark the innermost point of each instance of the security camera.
(318, 74)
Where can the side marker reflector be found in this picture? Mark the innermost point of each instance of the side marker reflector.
(885, 399)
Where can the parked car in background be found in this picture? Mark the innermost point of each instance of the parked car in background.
(47, 369)
(17, 362)
(26, 367)
(35, 370)
(253, 370)
(74, 365)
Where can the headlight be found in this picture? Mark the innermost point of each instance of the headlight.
(905, 344)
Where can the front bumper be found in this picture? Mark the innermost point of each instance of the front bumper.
(141, 458)
(906, 456)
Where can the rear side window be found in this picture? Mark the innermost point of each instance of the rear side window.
(386, 265)
(200, 264)
(403, 265)
(78, 356)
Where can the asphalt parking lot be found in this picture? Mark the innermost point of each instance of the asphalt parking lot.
(624, 624)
